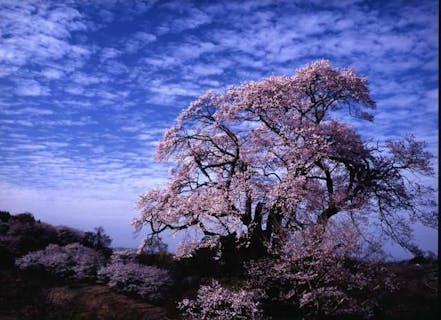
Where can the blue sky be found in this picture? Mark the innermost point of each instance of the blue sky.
(88, 87)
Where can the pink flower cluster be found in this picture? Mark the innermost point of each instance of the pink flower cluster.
(214, 302)
(268, 157)
(125, 275)
(319, 273)
(72, 261)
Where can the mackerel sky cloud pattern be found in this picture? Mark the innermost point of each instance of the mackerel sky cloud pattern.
(89, 87)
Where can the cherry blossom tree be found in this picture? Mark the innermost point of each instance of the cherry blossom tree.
(266, 158)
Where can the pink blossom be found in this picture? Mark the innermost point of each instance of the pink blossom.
(214, 302)
(72, 261)
(268, 157)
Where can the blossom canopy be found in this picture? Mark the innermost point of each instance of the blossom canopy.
(266, 158)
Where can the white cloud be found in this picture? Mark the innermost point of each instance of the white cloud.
(188, 18)
(432, 100)
(138, 41)
(53, 144)
(161, 62)
(172, 89)
(144, 37)
(84, 79)
(109, 53)
(206, 69)
(83, 121)
(28, 111)
(52, 73)
(31, 88)
(74, 89)
(15, 122)
(39, 33)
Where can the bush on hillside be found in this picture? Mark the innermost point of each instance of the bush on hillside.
(66, 235)
(25, 217)
(73, 261)
(22, 234)
(319, 275)
(97, 239)
(214, 302)
(151, 283)
(4, 216)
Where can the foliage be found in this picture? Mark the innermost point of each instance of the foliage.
(150, 283)
(25, 217)
(154, 251)
(124, 256)
(4, 216)
(161, 259)
(219, 258)
(66, 235)
(6, 257)
(319, 275)
(153, 245)
(21, 234)
(267, 158)
(97, 239)
(214, 302)
(73, 261)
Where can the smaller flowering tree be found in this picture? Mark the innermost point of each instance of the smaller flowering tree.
(72, 261)
(214, 302)
(126, 275)
(124, 256)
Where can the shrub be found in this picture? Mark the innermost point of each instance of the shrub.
(4, 228)
(4, 216)
(66, 235)
(72, 261)
(150, 283)
(160, 259)
(97, 239)
(214, 257)
(320, 276)
(214, 302)
(153, 251)
(23, 234)
(124, 256)
(153, 245)
(6, 257)
(24, 217)
(20, 234)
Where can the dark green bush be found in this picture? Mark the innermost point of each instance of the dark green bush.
(4, 216)
(24, 217)
(66, 235)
